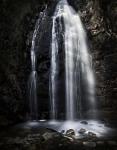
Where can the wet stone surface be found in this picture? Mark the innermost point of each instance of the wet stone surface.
(84, 122)
(47, 139)
(82, 131)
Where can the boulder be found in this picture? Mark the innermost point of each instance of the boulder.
(91, 134)
(82, 131)
(70, 132)
(84, 122)
(69, 138)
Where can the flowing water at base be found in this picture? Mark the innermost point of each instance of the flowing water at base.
(96, 127)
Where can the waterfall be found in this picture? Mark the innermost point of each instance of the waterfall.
(78, 69)
(32, 83)
(54, 67)
(33, 77)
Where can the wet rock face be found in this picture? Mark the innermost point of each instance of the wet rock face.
(100, 23)
(17, 26)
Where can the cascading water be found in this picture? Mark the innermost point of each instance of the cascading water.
(54, 66)
(68, 41)
(33, 78)
(32, 83)
(53, 73)
(78, 70)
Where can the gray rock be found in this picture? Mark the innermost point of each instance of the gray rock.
(91, 134)
(82, 131)
(84, 122)
(70, 132)
(69, 138)
(89, 144)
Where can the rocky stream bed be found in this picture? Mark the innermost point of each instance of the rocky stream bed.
(33, 138)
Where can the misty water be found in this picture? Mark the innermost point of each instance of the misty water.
(78, 62)
(79, 75)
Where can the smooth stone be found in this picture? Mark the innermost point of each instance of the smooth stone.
(91, 134)
(78, 137)
(70, 132)
(69, 138)
(84, 122)
(82, 131)
(89, 144)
